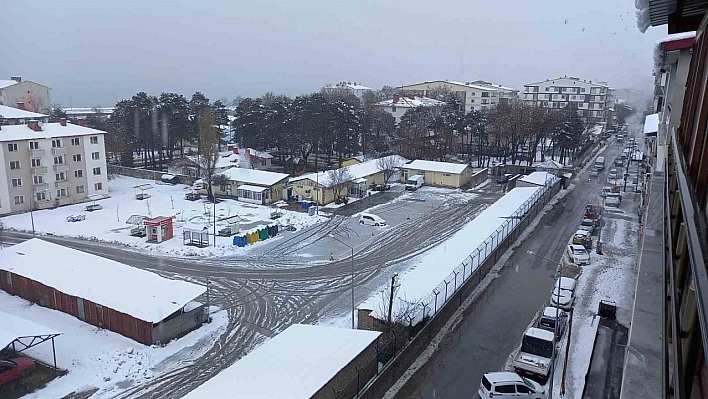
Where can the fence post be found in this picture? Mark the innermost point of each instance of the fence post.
(464, 270)
(446, 283)
(358, 372)
(455, 272)
(436, 301)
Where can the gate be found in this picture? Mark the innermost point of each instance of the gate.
(80, 305)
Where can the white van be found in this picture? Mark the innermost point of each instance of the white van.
(415, 182)
(600, 163)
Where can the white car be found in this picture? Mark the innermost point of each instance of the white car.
(614, 174)
(614, 200)
(587, 225)
(509, 385)
(578, 254)
(564, 293)
(371, 220)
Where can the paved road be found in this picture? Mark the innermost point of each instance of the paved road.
(266, 293)
(483, 341)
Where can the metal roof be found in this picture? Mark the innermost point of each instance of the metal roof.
(659, 10)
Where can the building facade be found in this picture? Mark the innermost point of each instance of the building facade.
(399, 105)
(442, 174)
(474, 97)
(27, 95)
(594, 100)
(357, 89)
(46, 165)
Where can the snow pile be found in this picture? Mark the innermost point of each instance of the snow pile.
(651, 124)
(437, 264)
(109, 224)
(643, 16)
(659, 47)
(102, 358)
(540, 179)
(296, 363)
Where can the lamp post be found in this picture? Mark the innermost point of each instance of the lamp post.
(352, 279)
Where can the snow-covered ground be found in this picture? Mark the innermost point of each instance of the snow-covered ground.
(103, 359)
(109, 224)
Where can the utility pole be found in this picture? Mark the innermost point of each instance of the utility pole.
(390, 299)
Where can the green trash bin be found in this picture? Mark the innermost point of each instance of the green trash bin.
(263, 234)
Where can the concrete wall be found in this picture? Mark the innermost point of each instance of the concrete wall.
(350, 380)
(37, 97)
(146, 174)
(409, 349)
(176, 327)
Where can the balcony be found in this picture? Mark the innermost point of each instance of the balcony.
(39, 170)
(39, 187)
(59, 151)
(61, 184)
(61, 167)
(37, 153)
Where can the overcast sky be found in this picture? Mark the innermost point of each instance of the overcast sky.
(98, 52)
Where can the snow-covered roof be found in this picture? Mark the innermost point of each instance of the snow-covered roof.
(539, 333)
(248, 187)
(89, 110)
(357, 171)
(651, 124)
(5, 83)
(659, 47)
(351, 85)
(13, 327)
(571, 79)
(16, 113)
(595, 130)
(411, 102)
(227, 161)
(259, 154)
(550, 311)
(539, 178)
(438, 263)
(435, 166)
(548, 164)
(253, 176)
(139, 293)
(49, 130)
(295, 364)
(491, 86)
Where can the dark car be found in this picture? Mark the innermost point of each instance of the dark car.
(19, 367)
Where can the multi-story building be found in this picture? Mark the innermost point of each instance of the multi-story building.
(593, 100)
(15, 116)
(474, 97)
(27, 95)
(355, 88)
(398, 105)
(46, 165)
(504, 93)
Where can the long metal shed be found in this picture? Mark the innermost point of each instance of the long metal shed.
(135, 303)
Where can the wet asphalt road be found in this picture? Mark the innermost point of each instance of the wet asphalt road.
(483, 341)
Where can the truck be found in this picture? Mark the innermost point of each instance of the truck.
(415, 182)
(536, 356)
(599, 163)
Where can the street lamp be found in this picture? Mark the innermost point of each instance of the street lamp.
(352, 264)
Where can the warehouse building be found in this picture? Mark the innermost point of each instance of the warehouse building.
(442, 174)
(135, 303)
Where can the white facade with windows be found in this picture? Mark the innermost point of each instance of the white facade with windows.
(475, 96)
(593, 100)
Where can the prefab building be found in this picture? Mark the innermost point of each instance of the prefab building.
(135, 303)
(442, 174)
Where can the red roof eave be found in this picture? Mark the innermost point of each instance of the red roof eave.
(680, 44)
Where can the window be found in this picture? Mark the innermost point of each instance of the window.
(472, 101)
(19, 199)
(485, 94)
(95, 155)
(505, 389)
(60, 176)
(34, 145)
(393, 108)
(41, 196)
(16, 182)
(75, 141)
(79, 189)
(59, 160)
(14, 165)
(94, 139)
(56, 143)
(96, 171)
(38, 179)
(61, 192)
(98, 186)
(523, 389)
(12, 147)
(77, 157)
(36, 162)
(548, 89)
(582, 90)
(78, 173)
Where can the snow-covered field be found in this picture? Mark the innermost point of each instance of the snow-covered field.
(103, 359)
(109, 224)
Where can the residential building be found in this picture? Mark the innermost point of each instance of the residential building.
(83, 112)
(46, 165)
(667, 351)
(27, 95)
(474, 97)
(443, 174)
(357, 89)
(16, 116)
(251, 185)
(235, 157)
(594, 100)
(398, 105)
(504, 93)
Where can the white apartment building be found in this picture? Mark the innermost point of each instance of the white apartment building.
(594, 100)
(398, 105)
(46, 165)
(27, 95)
(475, 97)
(355, 88)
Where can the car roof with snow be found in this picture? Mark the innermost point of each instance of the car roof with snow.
(550, 311)
(582, 233)
(503, 376)
(566, 282)
(539, 333)
(586, 220)
(576, 247)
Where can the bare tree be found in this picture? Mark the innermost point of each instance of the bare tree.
(389, 165)
(339, 179)
(209, 137)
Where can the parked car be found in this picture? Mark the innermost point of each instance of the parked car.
(564, 293)
(509, 385)
(19, 367)
(94, 207)
(614, 174)
(613, 199)
(619, 163)
(582, 237)
(620, 137)
(535, 358)
(594, 173)
(587, 225)
(75, 218)
(371, 220)
(578, 254)
(382, 187)
(551, 317)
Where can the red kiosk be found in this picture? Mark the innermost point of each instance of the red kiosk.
(159, 229)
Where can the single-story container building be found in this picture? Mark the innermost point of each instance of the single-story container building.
(253, 186)
(135, 303)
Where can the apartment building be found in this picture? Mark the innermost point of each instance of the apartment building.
(50, 164)
(474, 97)
(399, 105)
(357, 89)
(593, 100)
(27, 95)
